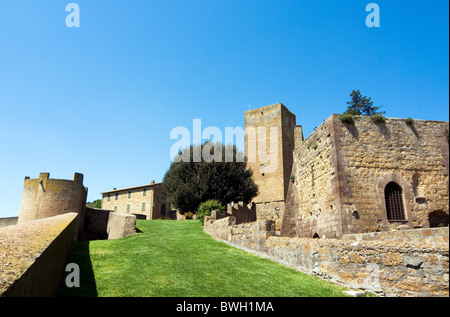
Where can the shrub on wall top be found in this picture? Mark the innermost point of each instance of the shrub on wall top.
(378, 118)
(347, 118)
(207, 207)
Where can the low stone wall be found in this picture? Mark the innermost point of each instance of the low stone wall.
(426, 237)
(248, 236)
(120, 225)
(388, 268)
(10, 221)
(33, 255)
(100, 224)
(95, 224)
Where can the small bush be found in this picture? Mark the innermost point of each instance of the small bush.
(378, 118)
(347, 118)
(293, 178)
(207, 207)
(409, 121)
(188, 215)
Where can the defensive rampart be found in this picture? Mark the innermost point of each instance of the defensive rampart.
(9, 221)
(33, 255)
(386, 267)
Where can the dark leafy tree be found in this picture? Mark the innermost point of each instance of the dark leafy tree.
(95, 204)
(362, 106)
(190, 183)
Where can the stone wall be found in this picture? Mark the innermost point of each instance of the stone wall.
(249, 236)
(103, 224)
(341, 171)
(316, 184)
(120, 225)
(387, 268)
(8, 221)
(242, 212)
(95, 224)
(426, 237)
(370, 155)
(46, 197)
(33, 255)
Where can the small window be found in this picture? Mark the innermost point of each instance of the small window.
(394, 202)
(128, 208)
(143, 206)
(129, 194)
(163, 195)
(115, 208)
(144, 192)
(109, 197)
(117, 196)
(163, 210)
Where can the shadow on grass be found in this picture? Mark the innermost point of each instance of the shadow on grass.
(79, 254)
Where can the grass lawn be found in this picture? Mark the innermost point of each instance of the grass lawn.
(177, 259)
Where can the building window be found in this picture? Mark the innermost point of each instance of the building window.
(115, 208)
(109, 197)
(394, 202)
(128, 208)
(129, 194)
(163, 210)
(117, 196)
(144, 192)
(163, 195)
(143, 207)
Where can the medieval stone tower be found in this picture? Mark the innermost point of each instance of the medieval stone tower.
(45, 197)
(270, 134)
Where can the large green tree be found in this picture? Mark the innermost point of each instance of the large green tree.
(362, 105)
(193, 178)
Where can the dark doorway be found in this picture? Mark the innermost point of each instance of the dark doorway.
(438, 218)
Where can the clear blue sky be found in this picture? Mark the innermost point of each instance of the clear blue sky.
(102, 99)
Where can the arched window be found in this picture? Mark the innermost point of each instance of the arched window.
(394, 202)
(163, 210)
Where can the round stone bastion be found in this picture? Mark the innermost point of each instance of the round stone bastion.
(45, 197)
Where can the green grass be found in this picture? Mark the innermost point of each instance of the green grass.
(177, 259)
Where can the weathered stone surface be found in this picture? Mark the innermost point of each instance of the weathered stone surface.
(33, 255)
(341, 171)
(120, 225)
(383, 267)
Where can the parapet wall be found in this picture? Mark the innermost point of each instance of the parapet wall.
(33, 255)
(100, 224)
(426, 237)
(9, 221)
(120, 225)
(388, 268)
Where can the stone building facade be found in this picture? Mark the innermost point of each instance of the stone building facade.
(147, 202)
(357, 177)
